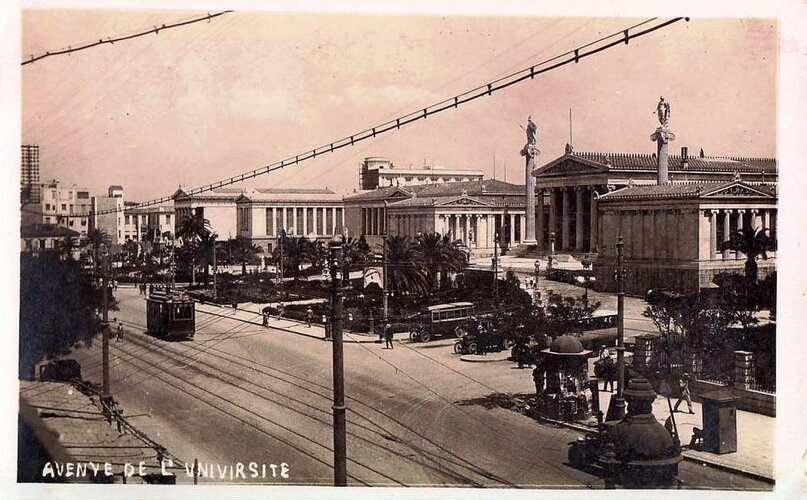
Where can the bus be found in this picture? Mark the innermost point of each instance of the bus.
(443, 320)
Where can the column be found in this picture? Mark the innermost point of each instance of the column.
(553, 213)
(491, 226)
(275, 230)
(593, 222)
(756, 221)
(766, 221)
(726, 232)
(522, 227)
(713, 234)
(512, 230)
(578, 226)
(482, 231)
(539, 219)
(285, 219)
(740, 214)
(567, 241)
(333, 221)
(305, 221)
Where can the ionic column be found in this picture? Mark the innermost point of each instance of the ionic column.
(333, 221)
(740, 214)
(305, 221)
(522, 227)
(578, 225)
(553, 212)
(285, 219)
(512, 229)
(726, 232)
(593, 223)
(275, 231)
(756, 221)
(566, 240)
(539, 219)
(766, 220)
(713, 234)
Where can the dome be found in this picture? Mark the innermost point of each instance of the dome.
(641, 438)
(566, 344)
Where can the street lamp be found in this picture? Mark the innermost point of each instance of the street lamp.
(586, 282)
(551, 259)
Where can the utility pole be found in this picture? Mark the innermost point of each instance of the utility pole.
(282, 238)
(496, 269)
(105, 326)
(616, 409)
(339, 433)
(385, 296)
(173, 264)
(214, 268)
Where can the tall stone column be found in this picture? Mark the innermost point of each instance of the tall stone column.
(512, 230)
(593, 223)
(333, 221)
(579, 219)
(740, 215)
(662, 136)
(553, 212)
(522, 225)
(529, 152)
(275, 230)
(726, 232)
(539, 220)
(756, 220)
(305, 221)
(566, 241)
(713, 234)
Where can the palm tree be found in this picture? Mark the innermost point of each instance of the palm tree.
(198, 238)
(407, 274)
(432, 254)
(130, 251)
(207, 245)
(357, 253)
(244, 251)
(753, 243)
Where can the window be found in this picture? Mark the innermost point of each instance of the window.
(128, 219)
(64, 207)
(47, 206)
(83, 222)
(70, 223)
(167, 218)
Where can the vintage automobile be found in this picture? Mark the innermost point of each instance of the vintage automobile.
(442, 320)
(494, 342)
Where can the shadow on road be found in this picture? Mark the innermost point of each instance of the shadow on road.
(517, 402)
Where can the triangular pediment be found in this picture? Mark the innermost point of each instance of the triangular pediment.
(570, 165)
(399, 194)
(737, 189)
(463, 201)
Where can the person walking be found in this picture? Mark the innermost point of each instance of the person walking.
(538, 378)
(685, 394)
(481, 341)
(266, 318)
(119, 330)
(309, 317)
(388, 335)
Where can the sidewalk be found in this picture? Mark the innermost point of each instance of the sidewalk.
(755, 437)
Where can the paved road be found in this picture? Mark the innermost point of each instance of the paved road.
(240, 392)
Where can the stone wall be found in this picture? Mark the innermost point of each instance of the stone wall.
(750, 400)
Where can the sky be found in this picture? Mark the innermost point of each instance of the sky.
(197, 104)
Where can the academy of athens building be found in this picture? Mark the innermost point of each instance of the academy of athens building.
(567, 188)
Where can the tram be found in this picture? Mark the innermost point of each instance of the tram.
(170, 315)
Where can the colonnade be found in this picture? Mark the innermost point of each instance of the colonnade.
(723, 221)
(373, 221)
(572, 216)
(304, 220)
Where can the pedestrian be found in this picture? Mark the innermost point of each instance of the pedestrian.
(388, 335)
(538, 379)
(685, 395)
(481, 341)
(266, 318)
(151, 289)
(309, 316)
(280, 308)
(235, 304)
(120, 331)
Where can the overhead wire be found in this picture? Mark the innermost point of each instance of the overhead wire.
(110, 40)
(529, 73)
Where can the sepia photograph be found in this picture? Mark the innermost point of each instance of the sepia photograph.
(368, 248)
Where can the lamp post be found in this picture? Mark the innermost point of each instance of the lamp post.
(338, 312)
(495, 261)
(281, 243)
(586, 282)
(551, 259)
(616, 409)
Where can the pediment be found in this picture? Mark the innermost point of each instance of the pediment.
(737, 189)
(570, 165)
(463, 201)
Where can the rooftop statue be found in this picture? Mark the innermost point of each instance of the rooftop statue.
(663, 110)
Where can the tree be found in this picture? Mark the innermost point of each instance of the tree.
(440, 256)
(564, 314)
(57, 309)
(131, 251)
(244, 252)
(754, 244)
(407, 275)
(198, 240)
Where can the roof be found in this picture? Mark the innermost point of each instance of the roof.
(616, 162)
(637, 161)
(695, 190)
(116, 187)
(289, 194)
(148, 210)
(47, 231)
(470, 188)
(567, 344)
(453, 305)
(491, 201)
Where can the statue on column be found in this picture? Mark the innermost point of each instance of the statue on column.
(531, 148)
(663, 111)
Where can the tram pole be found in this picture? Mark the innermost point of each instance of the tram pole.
(616, 408)
(338, 311)
(105, 325)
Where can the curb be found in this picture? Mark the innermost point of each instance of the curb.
(475, 358)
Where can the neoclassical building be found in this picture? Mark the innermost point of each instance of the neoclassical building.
(673, 233)
(263, 213)
(567, 187)
(473, 212)
(217, 206)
